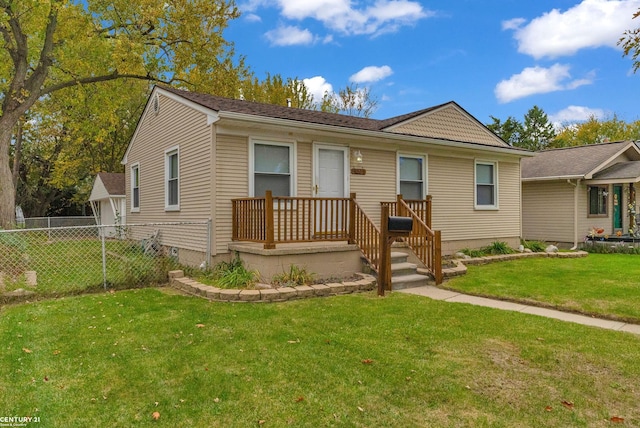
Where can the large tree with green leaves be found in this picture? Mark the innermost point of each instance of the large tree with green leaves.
(534, 133)
(594, 131)
(52, 45)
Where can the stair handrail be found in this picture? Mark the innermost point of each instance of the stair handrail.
(366, 235)
(431, 253)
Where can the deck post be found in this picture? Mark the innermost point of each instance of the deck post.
(352, 218)
(428, 214)
(437, 256)
(268, 221)
(400, 211)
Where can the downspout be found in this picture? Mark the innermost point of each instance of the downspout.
(576, 193)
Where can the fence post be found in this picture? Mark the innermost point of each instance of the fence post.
(268, 212)
(352, 218)
(104, 258)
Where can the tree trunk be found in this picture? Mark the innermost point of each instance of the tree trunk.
(7, 191)
(17, 152)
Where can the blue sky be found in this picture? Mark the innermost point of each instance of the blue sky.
(494, 58)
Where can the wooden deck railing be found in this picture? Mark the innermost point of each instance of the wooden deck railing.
(280, 219)
(276, 219)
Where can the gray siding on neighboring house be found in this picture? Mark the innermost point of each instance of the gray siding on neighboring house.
(548, 211)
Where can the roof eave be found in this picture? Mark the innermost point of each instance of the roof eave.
(372, 133)
(554, 177)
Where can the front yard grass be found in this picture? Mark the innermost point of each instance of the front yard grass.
(605, 285)
(113, 359)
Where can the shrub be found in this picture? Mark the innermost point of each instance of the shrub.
(535, 246)
(472, 252)
(295, 276)
(497, 247)
(234, 274)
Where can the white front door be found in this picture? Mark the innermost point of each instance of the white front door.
(330, 172)
(330, 181)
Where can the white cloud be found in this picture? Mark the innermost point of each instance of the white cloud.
(371, 73)
(252, 17)
(342, 15)
(289, 36)
(538, 80)
(573, 114)
(589, 24)
(513, 24)
(317, 86)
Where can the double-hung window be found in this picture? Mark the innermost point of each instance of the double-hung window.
(135, 187)
(271, 169)
(412, 177)
(486, 185)
(598, 201)
(172, 179)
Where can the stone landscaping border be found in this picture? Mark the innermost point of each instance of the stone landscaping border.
(461, 264)
(283, 294)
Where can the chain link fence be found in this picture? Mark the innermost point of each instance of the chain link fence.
(48, 222)
(70, 260)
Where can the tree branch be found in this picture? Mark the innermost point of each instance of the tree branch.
(104, 78)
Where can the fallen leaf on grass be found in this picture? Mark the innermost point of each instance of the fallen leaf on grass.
(617, 419)
(200, 325)
(28, 351)
(293, 341)
(548, 409)
(567, 404)
(299, 399)
(155, 416)
(261, 421)
(361, 409)
(56, 352)
(367, 361)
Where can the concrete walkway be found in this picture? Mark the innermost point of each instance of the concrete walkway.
(454, 296)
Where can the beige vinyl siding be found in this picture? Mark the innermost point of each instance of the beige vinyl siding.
(232, 166)
(451, 185)
(449, 123)
(548, 211)
(304, 173)
(379, 183)
(174, 126)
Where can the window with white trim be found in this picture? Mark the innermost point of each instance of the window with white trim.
(135, 187)
(271, 169)
(486, 187)
(412, 176)
(172, 179)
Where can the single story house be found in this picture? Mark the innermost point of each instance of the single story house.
(281, 176)
(108, 201)
(571, 192)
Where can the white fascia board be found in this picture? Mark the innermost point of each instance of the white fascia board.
(370, 134)
(212, 115)
(552, 178)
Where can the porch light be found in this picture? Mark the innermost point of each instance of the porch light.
(357, 157)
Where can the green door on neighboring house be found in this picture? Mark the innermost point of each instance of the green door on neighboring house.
(617, 207)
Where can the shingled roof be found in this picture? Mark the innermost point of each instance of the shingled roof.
(298, 114)
(113, 182)
(575, 162)
(446, 128)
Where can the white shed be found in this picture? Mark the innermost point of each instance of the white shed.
(108, 201)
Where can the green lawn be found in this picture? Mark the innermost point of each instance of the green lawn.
(358, 360)
(600, 284)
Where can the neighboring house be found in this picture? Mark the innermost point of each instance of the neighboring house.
(192, 154)
(570, 191)
(108, 201)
